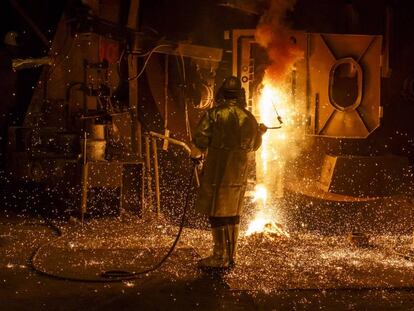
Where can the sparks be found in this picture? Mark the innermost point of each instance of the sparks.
(273, 104)
(260, 194)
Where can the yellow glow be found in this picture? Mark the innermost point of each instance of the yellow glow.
(260, 193)
(265, 223)
(257, 225)
(276, 149)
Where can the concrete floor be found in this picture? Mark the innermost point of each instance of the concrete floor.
(178, 285)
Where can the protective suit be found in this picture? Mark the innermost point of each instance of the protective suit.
(228, 134)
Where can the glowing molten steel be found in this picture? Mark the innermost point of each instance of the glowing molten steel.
(266, 226)
(263, 221)
(280, 145)
(271, 104)
(260, 194)
(271, 158)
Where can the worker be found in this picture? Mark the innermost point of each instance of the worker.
(227, 135)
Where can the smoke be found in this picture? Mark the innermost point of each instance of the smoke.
(278, 96)
(273, 34)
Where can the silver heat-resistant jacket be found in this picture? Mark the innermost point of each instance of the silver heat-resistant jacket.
(230, 134)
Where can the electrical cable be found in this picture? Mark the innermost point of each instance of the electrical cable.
(145, 62)
(131, 53)
(125, 276)
(111, 276)
(184, 80)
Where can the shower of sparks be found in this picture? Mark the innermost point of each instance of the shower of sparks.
(264, 219)
(260, 194)
(277, 148)
(271, 98)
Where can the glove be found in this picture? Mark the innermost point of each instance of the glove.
(196, 155)
(197, 161)
(262, 128)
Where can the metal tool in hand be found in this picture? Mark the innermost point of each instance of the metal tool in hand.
(279, 119)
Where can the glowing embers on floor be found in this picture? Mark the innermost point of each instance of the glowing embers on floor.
(263, 224)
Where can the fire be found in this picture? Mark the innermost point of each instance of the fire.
(266, 226)
(273, 106)
(270, 161)
(278, 147)
(260, 194)
(257, 225)
(275, 102)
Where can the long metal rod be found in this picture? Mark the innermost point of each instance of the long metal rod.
(308, 86)
(133, 23)
(389, 20)
(148, 170)
(166, 92)
(157, 177)
(84, 180)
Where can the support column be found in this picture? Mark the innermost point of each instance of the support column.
(133, 23)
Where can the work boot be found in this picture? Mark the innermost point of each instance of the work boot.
(220, 257)
(233, 234)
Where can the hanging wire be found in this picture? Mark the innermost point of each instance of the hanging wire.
(147, 60)
(187, 118)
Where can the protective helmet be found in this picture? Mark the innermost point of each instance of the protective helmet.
(231, 87)
(11, 38)
(232, 84)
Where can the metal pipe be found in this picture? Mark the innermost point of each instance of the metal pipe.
(309, 118)
(136, 136)
(179, 143)
(389, 18)
(171, 140)
(84, 179)
(157, 177)
(148, 170)
(166, 92)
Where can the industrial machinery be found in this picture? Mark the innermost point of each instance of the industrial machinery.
(109, 82)
(342, 176)
(82, 135)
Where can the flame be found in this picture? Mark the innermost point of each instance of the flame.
(275, 100)
(257, 225)
(271, 99)
(260, 193)
(264, 223)
(271, 158)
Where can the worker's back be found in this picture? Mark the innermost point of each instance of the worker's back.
(228, 126)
